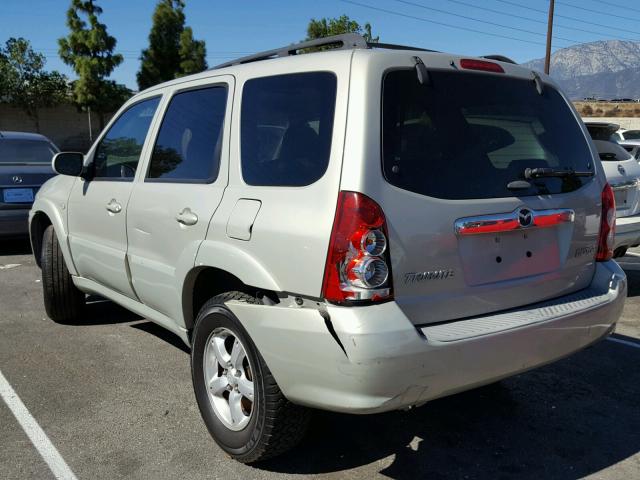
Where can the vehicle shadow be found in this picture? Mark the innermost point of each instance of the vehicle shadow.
(99, 311)
(633, 282)
(19, 246)
(162, 334)
(565, 421)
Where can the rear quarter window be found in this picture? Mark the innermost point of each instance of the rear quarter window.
(468, 135)
(286, 128)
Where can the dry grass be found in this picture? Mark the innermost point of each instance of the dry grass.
(608, 109)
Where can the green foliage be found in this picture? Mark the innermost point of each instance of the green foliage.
(88, 49)
(172, 50)
(326, 27)
(23, 81)
(192, 53)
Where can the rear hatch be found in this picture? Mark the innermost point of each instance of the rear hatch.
(470, 232)
(24, 166)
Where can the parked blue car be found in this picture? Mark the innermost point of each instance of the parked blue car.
(25, 164)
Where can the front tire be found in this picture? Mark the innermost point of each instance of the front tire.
(63, 301)
(240, 402)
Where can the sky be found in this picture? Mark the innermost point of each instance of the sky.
(515, 28)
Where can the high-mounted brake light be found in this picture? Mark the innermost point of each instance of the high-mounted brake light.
(357, 265)
(607, 225)
(482, 65)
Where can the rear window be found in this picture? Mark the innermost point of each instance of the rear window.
(632, 135)
(286, 127)
(26, 151)
(468, 135)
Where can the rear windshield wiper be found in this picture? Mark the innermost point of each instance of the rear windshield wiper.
(550, 172)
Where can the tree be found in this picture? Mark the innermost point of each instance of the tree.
(172, 50)
(192, 53)
(326, 27)
(23, 81)
(88, 49)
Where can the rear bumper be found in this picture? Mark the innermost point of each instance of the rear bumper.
(14, 223)
(372, 359)
(627, 231)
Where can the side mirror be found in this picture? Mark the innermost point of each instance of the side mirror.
(68, 163)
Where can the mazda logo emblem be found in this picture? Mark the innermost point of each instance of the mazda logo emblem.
(16, 179)
(622, 170)
(525, 217)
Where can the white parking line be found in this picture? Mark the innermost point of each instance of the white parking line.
(624, 342)
(45, 448)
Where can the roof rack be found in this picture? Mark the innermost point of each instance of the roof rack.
(339, 42)
(499, 58)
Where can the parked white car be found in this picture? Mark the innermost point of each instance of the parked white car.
(623, 174)
(359, 230)
(629, 134)
(631, 146)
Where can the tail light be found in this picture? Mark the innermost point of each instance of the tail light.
(357, 267)
(607, 225)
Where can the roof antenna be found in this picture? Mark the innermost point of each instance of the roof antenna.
(421, 71)
(538, 81)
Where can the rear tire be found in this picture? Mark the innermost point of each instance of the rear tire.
(273, 424)
(62, 299)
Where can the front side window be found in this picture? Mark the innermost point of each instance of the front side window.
(190, 138)
(286, 128)
(118, 153)
(469, 135)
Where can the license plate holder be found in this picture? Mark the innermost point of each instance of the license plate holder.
(509, 255)
(17, 195)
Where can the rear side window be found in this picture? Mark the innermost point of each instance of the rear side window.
(118, 153)
(190, 138)
(26, 151)
(286, 128)
(468, 135)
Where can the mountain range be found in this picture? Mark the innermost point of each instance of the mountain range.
(606, 69)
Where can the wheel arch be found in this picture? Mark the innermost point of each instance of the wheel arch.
(220, 268)
(38, 224)
(205, 282)
(42, 215)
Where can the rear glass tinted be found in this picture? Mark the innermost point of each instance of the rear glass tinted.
(631, 135)
(468, 135)
(599, 132)
(286, 128)
(25, 151)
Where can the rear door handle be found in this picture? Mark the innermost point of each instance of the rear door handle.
(113, 206)
(187, 217)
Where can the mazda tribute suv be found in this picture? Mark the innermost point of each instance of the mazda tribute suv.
(358, 229)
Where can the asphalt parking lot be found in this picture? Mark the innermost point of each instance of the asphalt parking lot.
(114, 397)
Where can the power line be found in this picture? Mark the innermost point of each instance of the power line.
(522, 17)
(617, 5)
(137, 52)
(599, 12)
(406, 2)
(441, 23)
(565, 16)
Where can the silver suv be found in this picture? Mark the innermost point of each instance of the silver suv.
(357, 229)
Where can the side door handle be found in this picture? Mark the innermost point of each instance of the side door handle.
(113, 206)
(187, 217)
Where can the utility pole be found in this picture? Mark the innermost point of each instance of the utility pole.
(547, 58)
(90, 129)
